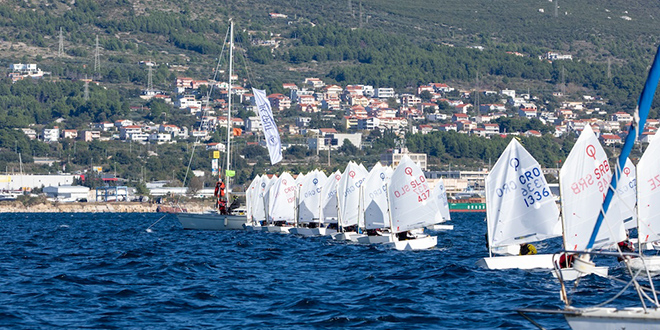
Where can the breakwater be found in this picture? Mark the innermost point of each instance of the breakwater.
(93, 207)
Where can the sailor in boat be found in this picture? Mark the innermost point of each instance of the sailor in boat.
(405, 235)
(527, 249)
(219, 193)
(625, 246)
(566, 260)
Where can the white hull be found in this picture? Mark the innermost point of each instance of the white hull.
(324, 231)
(440, 227)
(570, 274)
(377, 239)
(305, 232)
(613, 319)
(350, 236)
(252, 227)
(211, 221)
(421, 243)
(534, 261)
(652, 263)
(277, 229)
(507, 250)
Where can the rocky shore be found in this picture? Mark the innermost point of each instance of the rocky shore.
(92, 207)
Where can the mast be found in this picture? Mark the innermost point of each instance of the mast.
(228, 151)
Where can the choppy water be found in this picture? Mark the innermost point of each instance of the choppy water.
(107, 271)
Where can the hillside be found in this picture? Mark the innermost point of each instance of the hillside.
(399, 44)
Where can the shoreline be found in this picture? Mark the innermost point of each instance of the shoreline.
(94, 207)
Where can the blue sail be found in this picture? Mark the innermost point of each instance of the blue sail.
(635, 129)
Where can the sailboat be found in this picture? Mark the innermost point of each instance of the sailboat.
(583, 183)
(329, 207)
(520, 209)
(348, 191)
(255, 201)
(219, 219)
(648, 205)
(440, 198)
(411, 207)
(374, 205)
(309, 204)
(282, 204)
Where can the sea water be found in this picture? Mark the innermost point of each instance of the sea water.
(112, 271)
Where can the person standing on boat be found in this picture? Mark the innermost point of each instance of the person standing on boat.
(527, 249)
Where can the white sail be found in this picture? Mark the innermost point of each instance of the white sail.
(249, 196)
(282, 202)
(626, 195)
(583, 183)
(375, 198)
(440, 198)
(259, 199)
(519, 205)
(310, 197)
(329, 198)
(648, 175)
(271, 134)
(348, 189)
(411, 203)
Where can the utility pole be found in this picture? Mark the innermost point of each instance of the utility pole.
(609, 68)
(360, 14)
(150, 80)
(60, 49)
(97, 59)
(556, 7)
(86, 94)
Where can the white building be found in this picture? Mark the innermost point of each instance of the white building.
(67, 193)
(51, 134)
(384, 93)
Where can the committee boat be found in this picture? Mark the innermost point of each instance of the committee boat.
(221, 217)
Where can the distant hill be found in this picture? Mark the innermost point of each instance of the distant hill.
(621, 34)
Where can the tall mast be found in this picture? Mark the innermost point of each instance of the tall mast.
(228, 151)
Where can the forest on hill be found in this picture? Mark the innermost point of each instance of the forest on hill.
(393, 43)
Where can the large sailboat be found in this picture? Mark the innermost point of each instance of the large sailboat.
(220, 218)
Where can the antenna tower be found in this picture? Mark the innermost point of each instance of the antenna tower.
(609, 68)
(556, 7)
(60, 49)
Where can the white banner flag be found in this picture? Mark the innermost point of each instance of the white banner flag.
(271, 133)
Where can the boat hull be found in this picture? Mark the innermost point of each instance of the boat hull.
(347, 236)
(535, 261)
(211, 221)
(421, 243)
(375, 239)
(652, 263)
(570, 274)
(305, 232)
(611, 319)
(440, 227)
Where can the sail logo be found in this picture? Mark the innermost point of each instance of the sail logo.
(591, 151)
(408, 171)
(315, 181)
